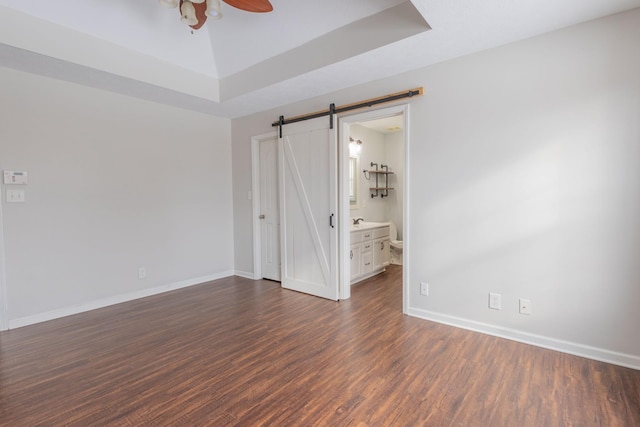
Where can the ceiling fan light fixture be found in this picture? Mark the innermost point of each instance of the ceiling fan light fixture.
(194, 13)
(213, 9)
(188, 13)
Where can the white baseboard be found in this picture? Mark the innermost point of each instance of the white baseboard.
(244, 274)
(367, 276)
(104, 302)
(602, 355)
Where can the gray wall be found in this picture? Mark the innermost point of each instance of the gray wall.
(523, 180)
(115, 183)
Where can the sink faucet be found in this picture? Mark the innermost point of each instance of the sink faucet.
(356, 221)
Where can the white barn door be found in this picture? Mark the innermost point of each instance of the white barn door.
(308, 197)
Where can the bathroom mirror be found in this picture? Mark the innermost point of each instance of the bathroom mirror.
(353, 182)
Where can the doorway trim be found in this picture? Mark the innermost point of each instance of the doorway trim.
(343, 194)
(4, 308)
(255, 198)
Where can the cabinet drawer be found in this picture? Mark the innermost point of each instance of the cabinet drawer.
(366, 246)
(367, 263)
(366, 234)
(356, 237)
(380, 232)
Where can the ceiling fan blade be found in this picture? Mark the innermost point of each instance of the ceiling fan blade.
(259, 6)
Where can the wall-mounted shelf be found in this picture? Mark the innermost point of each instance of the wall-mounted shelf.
(380, 172)
(377, 172)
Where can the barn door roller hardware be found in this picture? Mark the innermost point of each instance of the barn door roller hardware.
(355, 106)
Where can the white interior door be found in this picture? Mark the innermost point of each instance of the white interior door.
(308, 196)
(269, 210)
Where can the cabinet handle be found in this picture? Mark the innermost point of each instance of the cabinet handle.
(351, 254)
(381, 246)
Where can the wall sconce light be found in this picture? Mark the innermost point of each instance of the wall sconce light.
(355, 147)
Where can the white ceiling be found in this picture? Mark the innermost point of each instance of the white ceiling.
(245, 63)
(385, 125)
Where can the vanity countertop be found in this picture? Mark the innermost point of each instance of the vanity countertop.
(368, 225)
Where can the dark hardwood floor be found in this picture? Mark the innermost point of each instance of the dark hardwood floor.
(235, 352)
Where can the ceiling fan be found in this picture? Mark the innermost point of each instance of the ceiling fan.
(194, 13)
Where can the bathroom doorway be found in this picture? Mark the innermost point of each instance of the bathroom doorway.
(373, 141)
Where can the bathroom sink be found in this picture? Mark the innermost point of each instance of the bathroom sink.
(365, 225)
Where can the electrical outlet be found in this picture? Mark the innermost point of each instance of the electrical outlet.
(15, 196)
(495, 301)
(525, 306)
(424, 288)
(142, 273)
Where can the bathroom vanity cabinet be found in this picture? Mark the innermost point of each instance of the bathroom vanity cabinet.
(369, 252)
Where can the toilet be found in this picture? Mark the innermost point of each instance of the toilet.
(396, 245)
